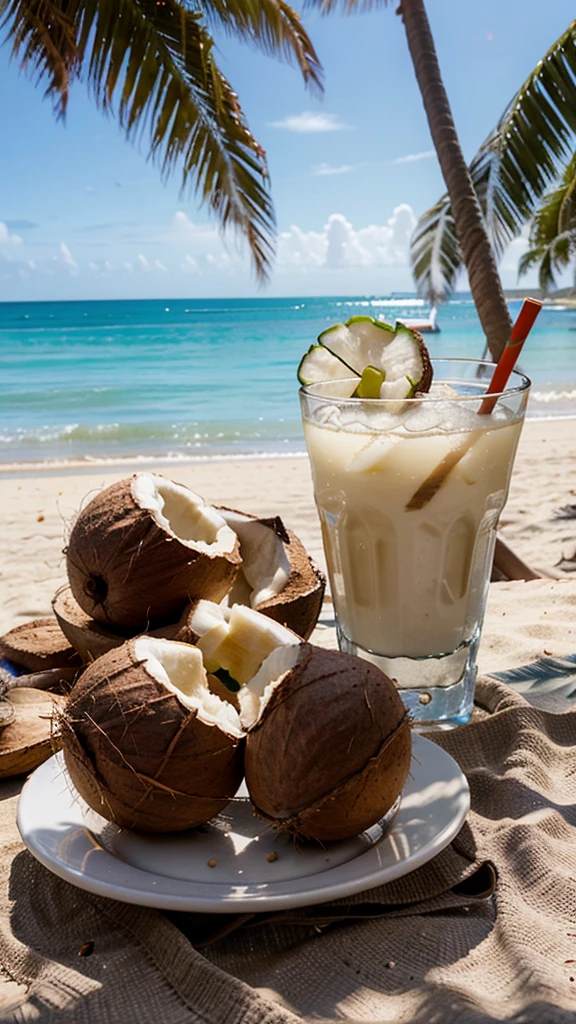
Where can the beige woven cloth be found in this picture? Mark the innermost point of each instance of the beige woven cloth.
(440, 945)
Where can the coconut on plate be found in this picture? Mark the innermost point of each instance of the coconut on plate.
(235, 640)
(147, 744)
(328, 742)
(277, 576)
(145, 547)
(90, 639)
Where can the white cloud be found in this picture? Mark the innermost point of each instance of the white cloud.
(144, 263)
(92, 266)
(128, 266)
(413, 157)
(308, 122)
(6, 239)
(160, 266)
(66, 258)
(182, 229)
(320, 170)
(339, 245)
(189, 265)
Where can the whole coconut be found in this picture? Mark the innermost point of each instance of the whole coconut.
(144, 548)
(328, 742)
(146, 743)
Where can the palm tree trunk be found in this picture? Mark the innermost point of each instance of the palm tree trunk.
(483, 276)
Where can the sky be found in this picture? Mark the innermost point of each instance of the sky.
(85, 215)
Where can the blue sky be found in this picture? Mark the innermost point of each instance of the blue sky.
(83, 214)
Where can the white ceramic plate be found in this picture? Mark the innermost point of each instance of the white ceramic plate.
(172, 872)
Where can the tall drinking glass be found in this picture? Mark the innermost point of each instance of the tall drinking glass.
(409, 495)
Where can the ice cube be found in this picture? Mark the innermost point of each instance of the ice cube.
(371, 458)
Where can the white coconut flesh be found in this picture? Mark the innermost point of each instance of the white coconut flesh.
(179, 667)
(183, 514)
(254, 697)
(265, 563)
(240, 643)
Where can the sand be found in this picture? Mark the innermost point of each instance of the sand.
(37, 508)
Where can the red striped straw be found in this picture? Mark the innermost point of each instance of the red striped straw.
(507, 361)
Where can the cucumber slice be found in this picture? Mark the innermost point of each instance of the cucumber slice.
(397, 352)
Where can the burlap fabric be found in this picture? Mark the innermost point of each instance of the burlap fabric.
(440, 945)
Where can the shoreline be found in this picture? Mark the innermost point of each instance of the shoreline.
(140, 461)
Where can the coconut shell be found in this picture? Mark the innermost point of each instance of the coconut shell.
(330, 752)
(299, 603)
(129, 574)
(138, 756)
(425, 381)
(30, 736)
(38, 646)
(90, 639)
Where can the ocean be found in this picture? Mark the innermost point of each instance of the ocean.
(137, 381)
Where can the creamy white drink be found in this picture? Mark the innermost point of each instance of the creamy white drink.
(409, 494)
(409, 582)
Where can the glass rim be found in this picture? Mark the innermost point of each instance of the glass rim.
(523, 385)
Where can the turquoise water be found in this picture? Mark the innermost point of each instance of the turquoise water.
(189, 379)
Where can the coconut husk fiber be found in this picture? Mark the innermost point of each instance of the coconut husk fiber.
(138, 755)
(349, 751)
(130, 574)
(439, 946)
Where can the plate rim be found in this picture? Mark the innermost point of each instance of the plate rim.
(199, 902)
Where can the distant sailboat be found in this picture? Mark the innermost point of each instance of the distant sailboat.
(426, 325)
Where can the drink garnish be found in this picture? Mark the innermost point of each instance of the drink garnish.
(363, 347)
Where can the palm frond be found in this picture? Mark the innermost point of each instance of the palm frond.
(271, 25)
(548, 684)
(512, 169)
(152, 65)
(552, 237)
(435, 253)
(347, 6)
(43, 37)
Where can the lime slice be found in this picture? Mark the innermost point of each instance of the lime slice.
(371, 381)
(398, 353)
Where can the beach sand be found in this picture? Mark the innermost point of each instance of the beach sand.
(38, 507)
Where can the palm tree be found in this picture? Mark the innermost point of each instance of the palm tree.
(151, 64)
(467, 223)
(525, 170)
(553, 231)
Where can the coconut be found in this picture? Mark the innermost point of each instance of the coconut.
(29, 734)
(38, 646)
(236, 639)
(328, 742)
(278, 577)
(90, 639)
(146, 743)
(144, 548)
